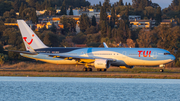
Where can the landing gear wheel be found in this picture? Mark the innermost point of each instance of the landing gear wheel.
(161, 70)
(84, 69)
(101, 70)
(98, 69)
(89, 69)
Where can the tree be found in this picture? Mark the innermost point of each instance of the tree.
(63, 9)
(103, 28)
(94, 21)
(16, 5)
(120, 3)
(103, 14)
(103, 21)
(12, 14)
(167, 38)
(51, 11)
(84, 22)
(38, 6)
(11, 36)
(69, 24)
(141, 4)
(149, 12)
(144, 39)
(53, 28)
(106, 5)
(29, 14)
(130, 43)
(21, 9)
(72, 25)
(123, 31)
(47, 40)
(113, 17)
(5, 6)
(51, 39)
(99, 3)
(91, 30)
(1, 49)
(80, 38)
(179, 7)
(71, 11)
(158, 15)
(3, 58)
(64, 21)
(32, 3)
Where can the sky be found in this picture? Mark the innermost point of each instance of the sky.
(162, 3)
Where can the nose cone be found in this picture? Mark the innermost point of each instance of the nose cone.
(172, 57)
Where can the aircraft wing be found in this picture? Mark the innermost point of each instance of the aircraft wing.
(70, 57)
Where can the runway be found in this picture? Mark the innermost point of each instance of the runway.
(94, 74)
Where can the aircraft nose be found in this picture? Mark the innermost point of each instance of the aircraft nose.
(172, 57)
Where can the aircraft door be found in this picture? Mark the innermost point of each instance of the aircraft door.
(124, 54)
(154, 55)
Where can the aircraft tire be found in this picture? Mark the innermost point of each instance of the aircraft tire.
(103, 70)
(84, 69)
(161, 70)
(98, 69)
(89, 69)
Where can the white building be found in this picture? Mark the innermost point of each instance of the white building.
(134, 17)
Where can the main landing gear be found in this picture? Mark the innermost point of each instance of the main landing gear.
(87, 69)
(101, 70)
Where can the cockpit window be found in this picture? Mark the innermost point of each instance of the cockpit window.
(167, 53)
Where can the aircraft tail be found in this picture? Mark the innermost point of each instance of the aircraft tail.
(30, 39)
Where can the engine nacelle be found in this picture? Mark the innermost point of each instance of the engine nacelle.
(101, 64)
(126, 67)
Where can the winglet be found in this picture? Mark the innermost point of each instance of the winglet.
(105, 45)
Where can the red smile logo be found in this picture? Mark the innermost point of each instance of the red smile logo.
(29, 43)
(26, 40)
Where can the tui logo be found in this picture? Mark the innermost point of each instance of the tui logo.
(145, 53)
(29, 43)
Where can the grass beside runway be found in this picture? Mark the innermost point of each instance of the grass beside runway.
(50, 70)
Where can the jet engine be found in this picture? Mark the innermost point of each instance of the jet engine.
(101, 64)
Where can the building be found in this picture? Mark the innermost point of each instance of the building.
(134, 17)
(40, 12)
(142, 24)
(169, 22)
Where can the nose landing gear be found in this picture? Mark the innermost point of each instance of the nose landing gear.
(162, 66)
(161, 70)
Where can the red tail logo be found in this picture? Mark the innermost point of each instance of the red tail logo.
(29, 43)
(26, 40)
(145, 55)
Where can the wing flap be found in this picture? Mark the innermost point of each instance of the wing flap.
(70, 57)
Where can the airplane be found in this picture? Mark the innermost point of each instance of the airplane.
(100, 58)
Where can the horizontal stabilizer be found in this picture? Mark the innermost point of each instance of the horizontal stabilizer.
(24, 52)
